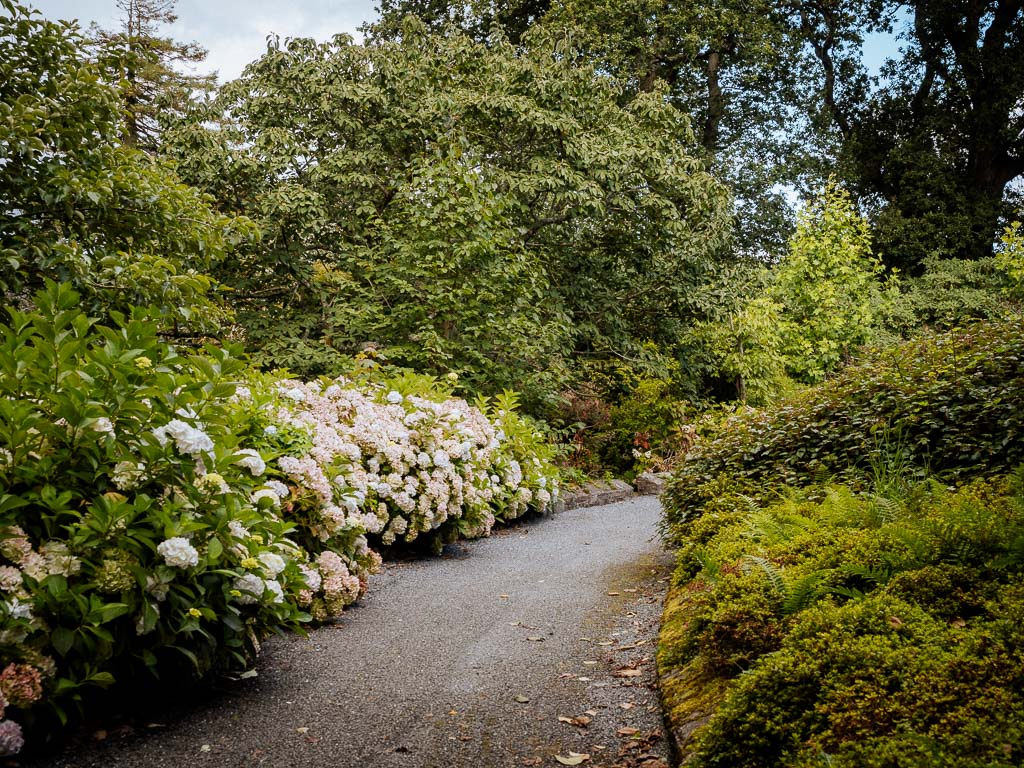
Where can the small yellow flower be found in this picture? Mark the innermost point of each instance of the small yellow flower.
(195, 613)
(235, 593)
(143, 363)
(250, 563)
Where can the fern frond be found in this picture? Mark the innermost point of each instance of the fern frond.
(770, 570)
(803, 592)
(711, 567)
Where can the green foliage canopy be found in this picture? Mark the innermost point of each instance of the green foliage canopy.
(951, 402)
(77, 206)
(466, 207)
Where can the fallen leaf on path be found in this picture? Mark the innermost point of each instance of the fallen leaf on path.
(204, 748)
(574, 758)
(579, 722)
(606, 642)
(522, 699)
(631, 647)
(589, 663)
(302, 730)
(591, 712)
(627, 673)
(535, 639)
(627, 705)
(628, 731)
(614, 594)
(503, 597)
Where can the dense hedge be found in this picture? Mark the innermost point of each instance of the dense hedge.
(869, 631)
(952, 403)
(162, 512)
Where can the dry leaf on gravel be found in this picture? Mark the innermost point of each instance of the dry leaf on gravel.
(627, 673)
(628, 731)
(579, 722)
(574, 758)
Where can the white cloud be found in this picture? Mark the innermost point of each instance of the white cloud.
(234, 31)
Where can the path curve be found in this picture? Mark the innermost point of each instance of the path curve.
(463, 660)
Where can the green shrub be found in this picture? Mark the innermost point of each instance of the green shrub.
(877, 682)
(952, 402)
(133, 534)
(161, 513)
(872, 631)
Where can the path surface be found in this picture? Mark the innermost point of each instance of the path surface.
(462, 660)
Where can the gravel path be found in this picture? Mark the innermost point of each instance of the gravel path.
(469, 659)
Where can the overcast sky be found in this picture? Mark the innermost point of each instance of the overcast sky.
(233, 31)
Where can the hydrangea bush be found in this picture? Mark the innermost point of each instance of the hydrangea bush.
(164, 511)
(399, 459)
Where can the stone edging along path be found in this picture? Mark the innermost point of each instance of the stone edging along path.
(600, 492)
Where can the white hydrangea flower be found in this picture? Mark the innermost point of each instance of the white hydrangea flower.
(187, 439)
(128, 475)
(276, 589)
(312, 577)
(270, 430)
(251, 587)
(177, 552)
(266, 493)
(19, 610)
(157, 588)
(238, 530)
(295, 394)
(277, 487)
(103, 425)
(395, 397)
(212, 483)
(272, 564)
(252, 461)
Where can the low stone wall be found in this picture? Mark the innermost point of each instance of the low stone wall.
(599, 492)
(595, 494)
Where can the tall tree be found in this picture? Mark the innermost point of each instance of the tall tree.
(482, 208)
(936, 146)
(477, 18)
(78, 206)
(151, 69)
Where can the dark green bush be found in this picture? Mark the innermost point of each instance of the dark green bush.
(871, 631)
(951, 402)
(878, 682)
